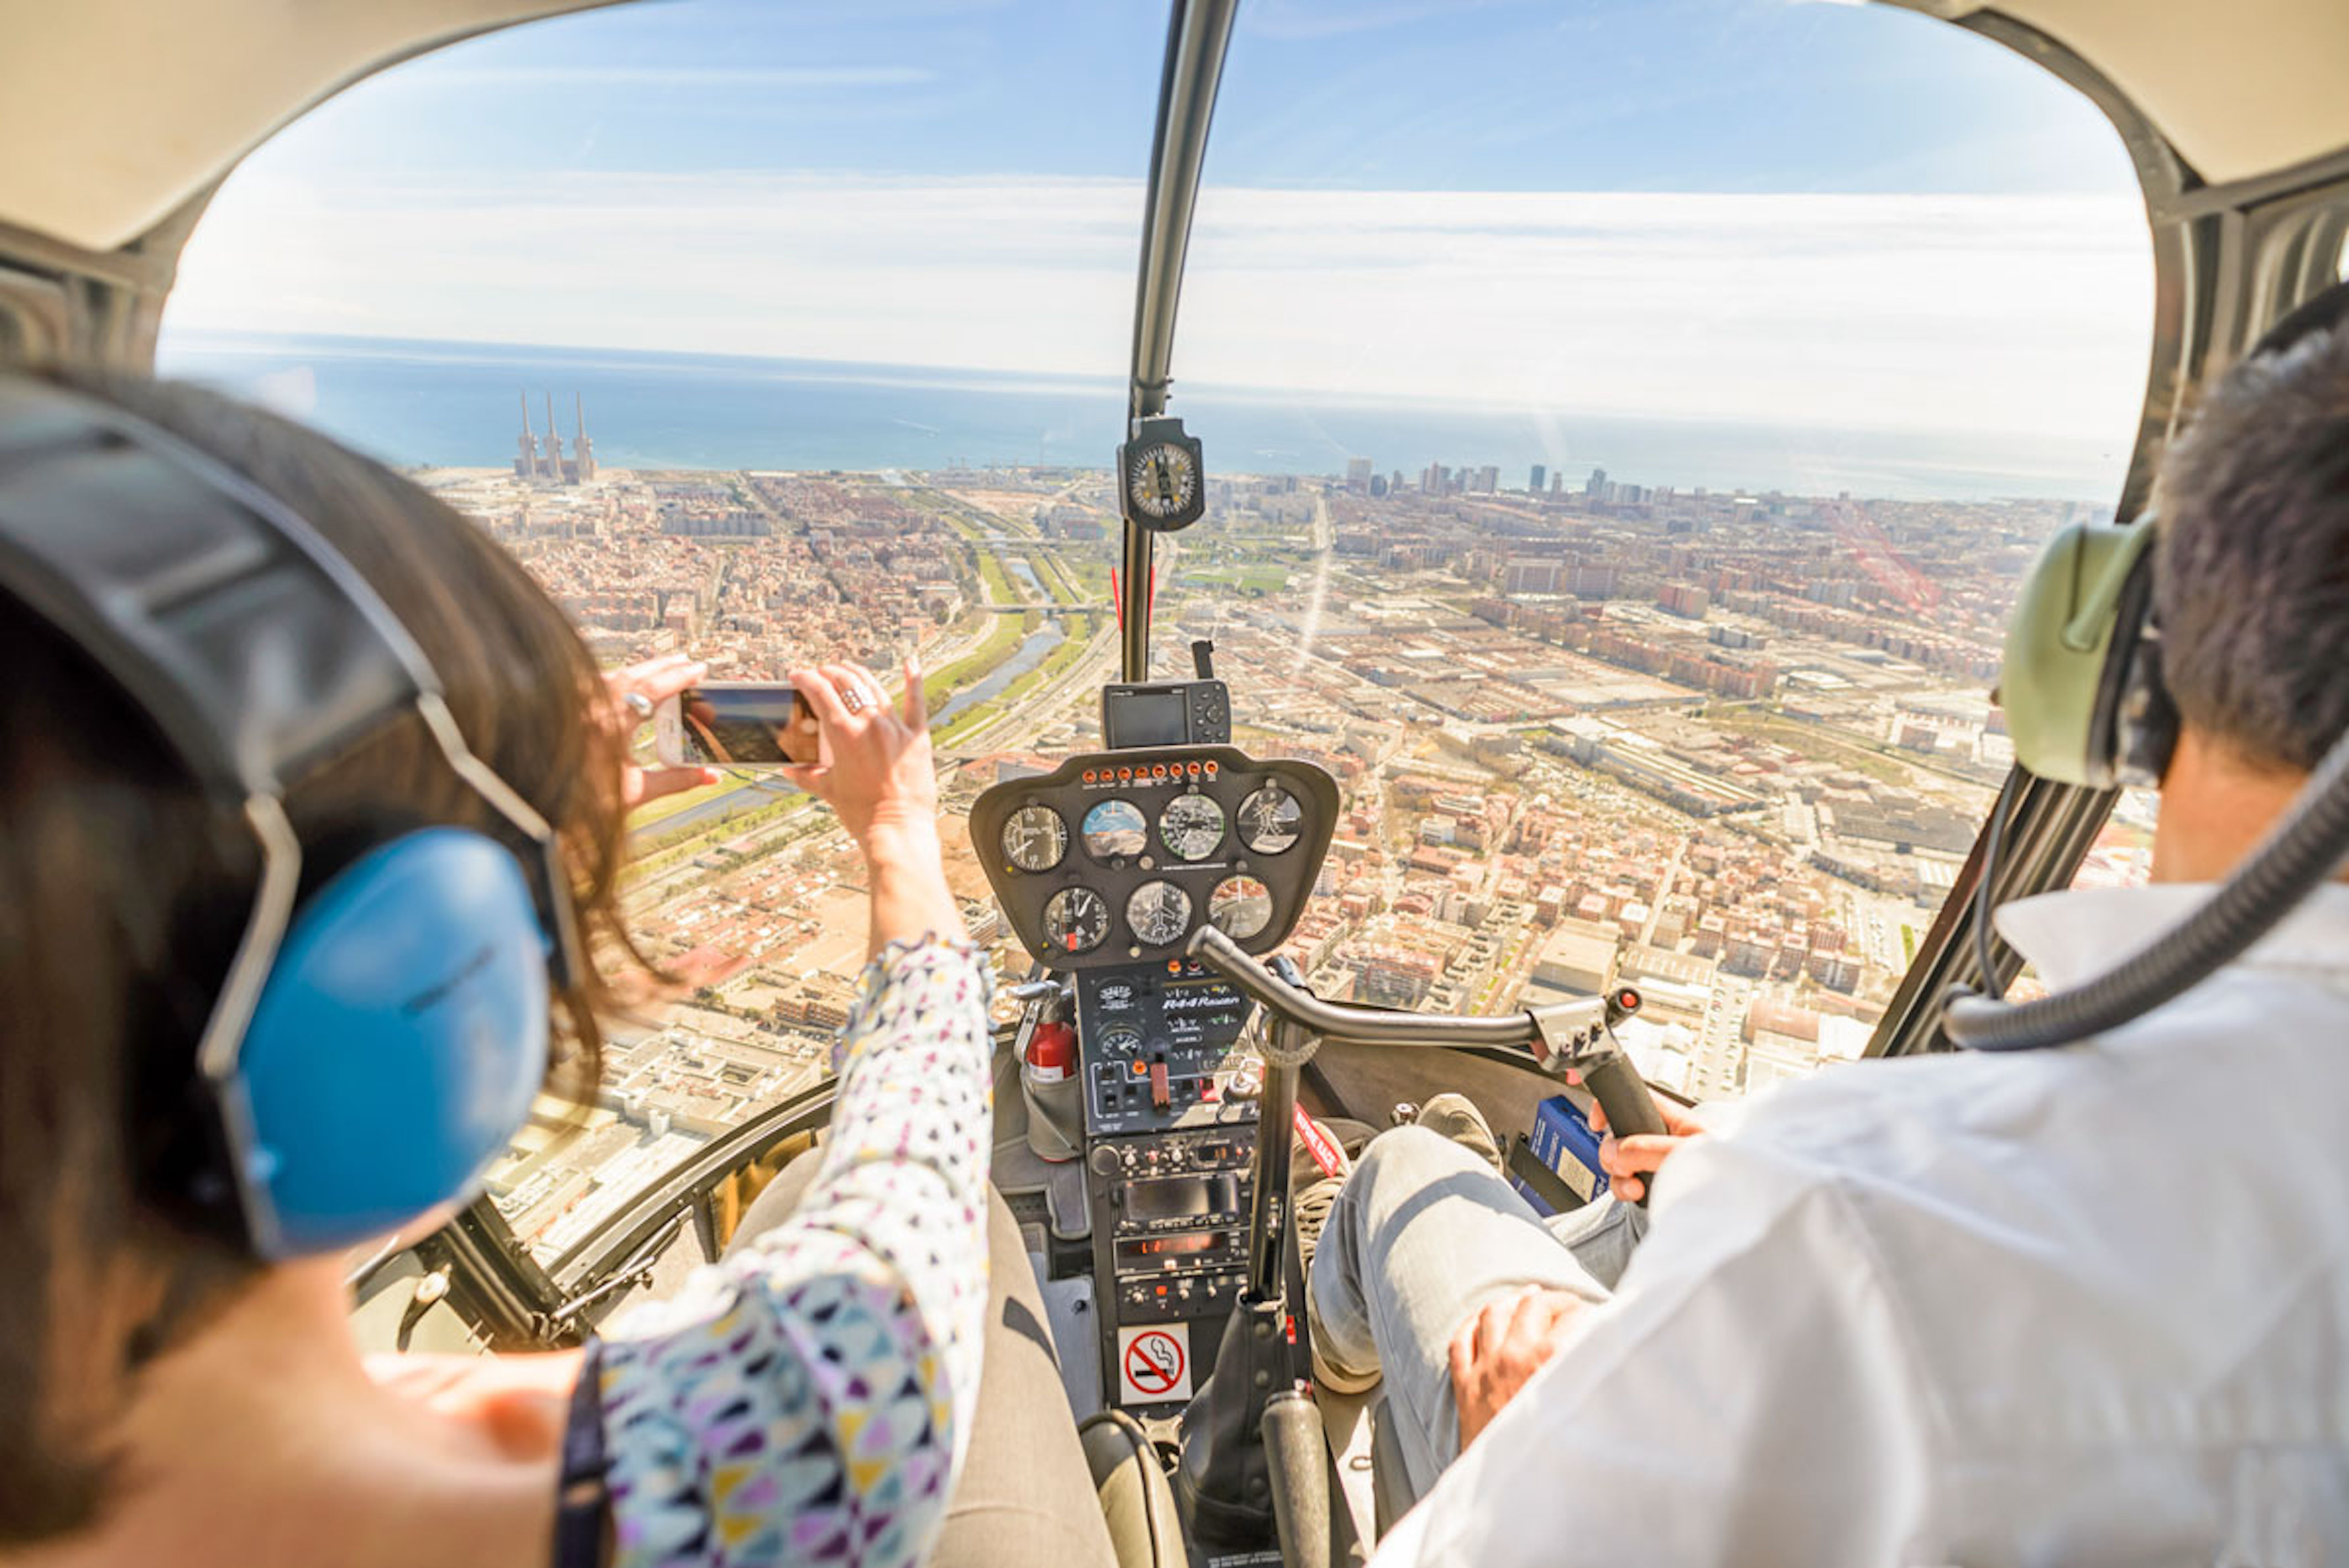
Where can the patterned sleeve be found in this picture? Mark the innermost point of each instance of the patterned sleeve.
(808, 1399)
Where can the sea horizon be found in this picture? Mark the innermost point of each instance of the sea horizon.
(417, 402)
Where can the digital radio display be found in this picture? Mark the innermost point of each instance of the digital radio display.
(1187, 1199)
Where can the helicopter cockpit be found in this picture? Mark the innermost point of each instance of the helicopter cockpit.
(1616, 791)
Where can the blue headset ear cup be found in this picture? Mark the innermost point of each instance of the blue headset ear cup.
(397, 1046)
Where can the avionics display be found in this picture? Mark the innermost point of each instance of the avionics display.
(1182, 1199)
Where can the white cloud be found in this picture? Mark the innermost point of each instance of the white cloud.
(1983, 313)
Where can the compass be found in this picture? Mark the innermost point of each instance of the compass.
(1163, 484)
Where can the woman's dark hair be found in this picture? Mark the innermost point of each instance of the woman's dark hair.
(2252, 586)
(123, 891)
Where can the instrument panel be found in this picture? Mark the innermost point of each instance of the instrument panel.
(1116, 858)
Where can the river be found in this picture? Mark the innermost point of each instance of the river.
(1033, 649)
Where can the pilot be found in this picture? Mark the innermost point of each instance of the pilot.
(2069, 1306)
(178, 1382)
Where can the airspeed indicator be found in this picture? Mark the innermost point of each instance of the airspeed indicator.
(1035, 839)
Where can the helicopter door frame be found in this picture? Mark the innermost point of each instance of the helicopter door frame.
(2229, 261)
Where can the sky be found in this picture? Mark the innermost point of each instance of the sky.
(1773, 210)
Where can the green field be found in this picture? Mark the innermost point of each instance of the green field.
(994, 580)
(1055, 577)
(1254, 579)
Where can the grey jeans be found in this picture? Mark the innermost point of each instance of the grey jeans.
(1421, 1235)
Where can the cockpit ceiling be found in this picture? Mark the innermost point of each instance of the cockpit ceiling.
(115, 112)
(2241, 87)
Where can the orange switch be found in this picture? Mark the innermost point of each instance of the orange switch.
(1161, 1092)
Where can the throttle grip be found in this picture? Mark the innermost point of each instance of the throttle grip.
(1623, 1094)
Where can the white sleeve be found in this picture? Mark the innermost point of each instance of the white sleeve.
(1745, 1398)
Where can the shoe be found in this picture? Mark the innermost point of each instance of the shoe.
(1311, 1192)
(1456, 1117)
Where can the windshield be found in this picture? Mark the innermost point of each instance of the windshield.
(1626, 422)
(1636, 421)
(837, 298)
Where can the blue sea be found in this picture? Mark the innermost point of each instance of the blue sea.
(442, 403)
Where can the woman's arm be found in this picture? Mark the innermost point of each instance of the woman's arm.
(884, 784)
(810, 1395)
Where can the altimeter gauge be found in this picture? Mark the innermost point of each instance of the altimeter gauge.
(1162, 479)
(1076, 919)
(1035, 839)
(1191, 826)
(1271, 820)
(1240, 908)
(1159, 913)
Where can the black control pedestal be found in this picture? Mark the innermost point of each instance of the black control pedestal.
(1170, 1114)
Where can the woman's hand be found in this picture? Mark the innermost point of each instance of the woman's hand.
(878, 778)
(653, 682)
(880, 783)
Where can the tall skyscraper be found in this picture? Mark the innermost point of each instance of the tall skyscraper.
(1358, 474)
(1594, 483)
(1534, 485)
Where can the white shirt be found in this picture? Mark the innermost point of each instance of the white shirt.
(2080, 1306)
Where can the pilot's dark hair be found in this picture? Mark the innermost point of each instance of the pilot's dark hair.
(122, 893)
(2252, 580)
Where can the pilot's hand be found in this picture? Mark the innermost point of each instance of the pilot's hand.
(1503, 1345)
(656, 681)
(1630, 1162)
(881, 780)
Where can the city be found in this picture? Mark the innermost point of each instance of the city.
(1728, 747)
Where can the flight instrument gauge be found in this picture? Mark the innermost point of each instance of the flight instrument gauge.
(1034, 838)
(1120, 1040)
(1115, 828)
(1192, 826)
(1161, 479)
(1159, 912)
(1076, 919)
(1271, 820)
(1240, 908)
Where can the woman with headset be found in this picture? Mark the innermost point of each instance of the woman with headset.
(311, 831)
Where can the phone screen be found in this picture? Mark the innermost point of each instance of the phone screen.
(737, 725)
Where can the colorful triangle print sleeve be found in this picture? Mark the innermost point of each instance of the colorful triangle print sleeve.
(808, 1399)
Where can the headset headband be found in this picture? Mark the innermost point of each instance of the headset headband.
(253, 646)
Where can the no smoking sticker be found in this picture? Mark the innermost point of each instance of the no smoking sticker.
(1153, 1364)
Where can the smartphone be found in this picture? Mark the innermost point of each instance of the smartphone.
(736, 724)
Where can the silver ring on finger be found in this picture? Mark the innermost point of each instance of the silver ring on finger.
(639, 704)
(851, 699)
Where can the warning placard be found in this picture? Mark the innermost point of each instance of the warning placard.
(1154, 1364)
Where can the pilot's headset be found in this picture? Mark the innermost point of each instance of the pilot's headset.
(2082, 683)
(377, 1042)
